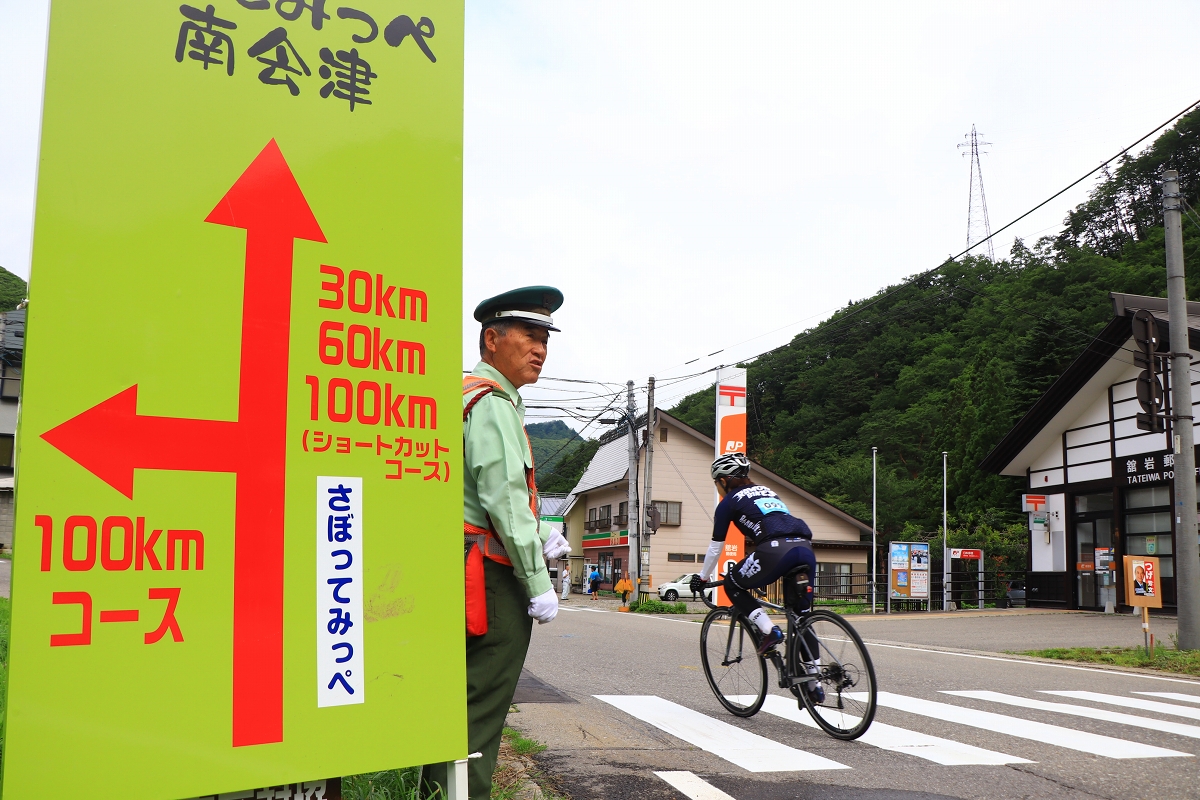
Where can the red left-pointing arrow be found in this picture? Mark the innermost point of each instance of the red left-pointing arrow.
(111, 439)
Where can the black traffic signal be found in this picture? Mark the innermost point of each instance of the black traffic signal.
(1149, 385)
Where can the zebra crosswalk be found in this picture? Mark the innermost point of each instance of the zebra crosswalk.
(757, 753)
(1132, 702)
(899, 740)
(747, 750)
(1183, 698)
(1104, 715)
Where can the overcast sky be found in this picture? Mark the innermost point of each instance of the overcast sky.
(707, 176)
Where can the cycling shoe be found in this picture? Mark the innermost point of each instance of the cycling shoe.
(770, 640)
(816, 692)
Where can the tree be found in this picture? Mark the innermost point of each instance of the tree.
(12, 290)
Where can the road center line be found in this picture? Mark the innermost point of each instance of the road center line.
(747, 750)
(1032, 663)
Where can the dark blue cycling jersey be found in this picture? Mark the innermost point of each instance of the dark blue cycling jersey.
(759, 514)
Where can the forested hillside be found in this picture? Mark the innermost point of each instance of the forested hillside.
(12, 290)
(950, 359)
(559, 455)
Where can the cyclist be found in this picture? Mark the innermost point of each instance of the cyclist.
(778, 542)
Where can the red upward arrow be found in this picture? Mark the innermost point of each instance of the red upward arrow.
(111, 439)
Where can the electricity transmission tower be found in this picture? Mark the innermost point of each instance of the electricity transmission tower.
(978, 227)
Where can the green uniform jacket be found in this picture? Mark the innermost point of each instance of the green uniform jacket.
(495, 457)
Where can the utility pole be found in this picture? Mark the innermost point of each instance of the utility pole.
(1187, 552)
(648, 494)
(945, 540)
(635, 549)
(874, 527)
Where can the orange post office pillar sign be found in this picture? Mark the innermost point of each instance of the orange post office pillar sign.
(731, 438)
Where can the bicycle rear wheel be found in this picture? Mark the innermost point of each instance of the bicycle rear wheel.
(737, 675)
(828, 648)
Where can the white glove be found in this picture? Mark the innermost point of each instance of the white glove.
(710, 560)
(544, 607)
(556, 546)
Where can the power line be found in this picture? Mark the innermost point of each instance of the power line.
(1125, 150)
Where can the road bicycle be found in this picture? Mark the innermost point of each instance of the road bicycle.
(820, 648)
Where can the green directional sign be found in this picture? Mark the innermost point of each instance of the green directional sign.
(239, 494)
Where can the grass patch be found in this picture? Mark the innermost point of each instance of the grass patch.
(516, 768)
(404, 784)
(393, 784)
(843, 606)
(653, 606)
(1185, 662)
(521, 745)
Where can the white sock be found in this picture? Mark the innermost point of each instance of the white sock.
(760, 618)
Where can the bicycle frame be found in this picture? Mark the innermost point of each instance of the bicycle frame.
(786, 679)
(810, 667)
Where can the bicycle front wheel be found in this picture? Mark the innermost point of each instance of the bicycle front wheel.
(827, 648)
(737, 675)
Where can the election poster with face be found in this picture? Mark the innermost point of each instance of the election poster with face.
(1141, 582)
(239, 444)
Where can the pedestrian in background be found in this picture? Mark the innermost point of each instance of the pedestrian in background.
(623, 588)
(566, 583)
(500, 515)
(594, 584)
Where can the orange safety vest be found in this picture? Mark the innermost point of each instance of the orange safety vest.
(487, 539)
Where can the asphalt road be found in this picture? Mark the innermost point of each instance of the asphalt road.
(602, 749)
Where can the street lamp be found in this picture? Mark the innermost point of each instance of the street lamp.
(874, 527)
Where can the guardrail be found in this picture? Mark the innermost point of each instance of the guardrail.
(1000, 589)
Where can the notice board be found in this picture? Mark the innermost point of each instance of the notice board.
(908, 570)
(238, 484)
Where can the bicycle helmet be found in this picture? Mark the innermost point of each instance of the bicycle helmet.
(731, 465)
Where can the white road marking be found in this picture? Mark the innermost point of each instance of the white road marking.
(1186, 698)
(747, 750)
(692, 786)
(1033, 663)
(592, 610)
(1177, 728)
(900, 740)
(1082, 741)
(1131, 702)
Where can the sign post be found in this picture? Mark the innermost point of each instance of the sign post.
(245, 306)
(1141, 590)
(731, 438)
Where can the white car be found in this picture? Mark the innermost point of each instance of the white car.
(680, 587)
